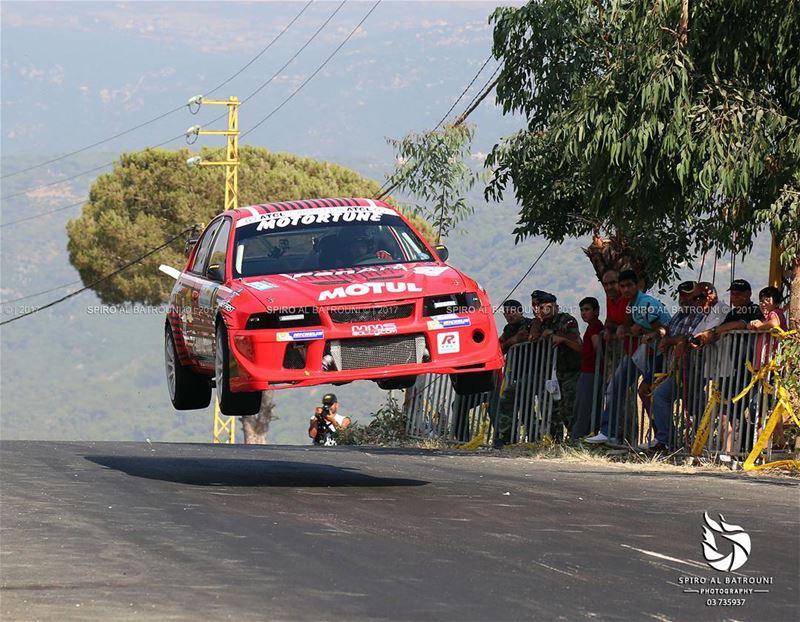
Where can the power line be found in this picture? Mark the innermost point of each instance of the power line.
(261, 53)
(250, 96)
(307, 80)
(97, 281)
(39, 214)
(524, 276)
(165, 114)
(482, 94)
(81, 174)
(46, 291)
(464, 92)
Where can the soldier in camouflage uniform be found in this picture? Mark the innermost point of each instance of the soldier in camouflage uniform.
(563, 331)
(516, 378)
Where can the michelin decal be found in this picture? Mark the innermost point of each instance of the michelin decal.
(448, 321)
(300, 335)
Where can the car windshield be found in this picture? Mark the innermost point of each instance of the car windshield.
(309, 240)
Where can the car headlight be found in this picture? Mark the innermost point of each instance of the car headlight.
(450, 303)
(293, 317)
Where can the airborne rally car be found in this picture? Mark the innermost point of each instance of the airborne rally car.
(314, 292)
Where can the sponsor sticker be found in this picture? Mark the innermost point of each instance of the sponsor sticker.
(316, 215)
(362, 289)
(226, 306)
(430, 270)
(300, 335)
(374, 330)
(262, 285)
(448, 321)
(448, 343)
(364, 271)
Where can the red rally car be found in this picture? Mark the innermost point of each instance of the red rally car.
(321, 291)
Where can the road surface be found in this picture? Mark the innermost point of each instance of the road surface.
(130, 531)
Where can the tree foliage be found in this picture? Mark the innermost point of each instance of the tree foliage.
(433, 168)
(674, 124)
(152, 195)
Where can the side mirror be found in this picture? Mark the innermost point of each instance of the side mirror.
(442, 251)
(215, 273)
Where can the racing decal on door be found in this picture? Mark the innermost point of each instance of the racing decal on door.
(448, 343)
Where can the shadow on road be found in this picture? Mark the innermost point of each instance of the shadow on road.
(226, 472)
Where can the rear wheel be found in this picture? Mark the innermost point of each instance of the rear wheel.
(187, 390)
(473, 382)
(231, 404)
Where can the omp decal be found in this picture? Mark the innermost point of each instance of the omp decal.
(362, 289)
(448, 343)
(261, 285)
(308, 216)
(374, 330)
(430, 270)
(448, 321)
(226, 306)
(300, 335)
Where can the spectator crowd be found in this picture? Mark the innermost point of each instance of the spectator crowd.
(648, 335)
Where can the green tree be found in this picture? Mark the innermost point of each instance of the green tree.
(432, 168)
(673, 125)
(152, 195)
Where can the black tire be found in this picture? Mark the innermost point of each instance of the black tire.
(231, 404)
(403, 382)
(187, 390)
(473, 382)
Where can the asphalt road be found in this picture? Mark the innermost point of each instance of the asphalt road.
(118, 531)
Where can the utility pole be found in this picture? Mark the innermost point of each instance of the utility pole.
(224, 429)
(231, 161)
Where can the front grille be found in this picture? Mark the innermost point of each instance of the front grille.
(371, 314)
(377, 351)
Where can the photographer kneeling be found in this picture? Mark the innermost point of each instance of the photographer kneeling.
(326, 421)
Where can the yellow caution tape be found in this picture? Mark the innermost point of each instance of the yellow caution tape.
(703, 430)
(660, 377)
(781, 407)
(479, 438)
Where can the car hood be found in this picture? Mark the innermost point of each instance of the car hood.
(356, 286)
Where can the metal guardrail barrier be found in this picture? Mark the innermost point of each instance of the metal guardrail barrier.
(641, 395)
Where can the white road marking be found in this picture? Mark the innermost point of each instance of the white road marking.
(666, 557)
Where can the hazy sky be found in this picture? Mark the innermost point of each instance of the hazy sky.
(77, 72)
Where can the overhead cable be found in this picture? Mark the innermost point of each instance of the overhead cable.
(91, 285)
(165, 114)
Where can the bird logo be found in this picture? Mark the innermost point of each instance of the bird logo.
(739, 539)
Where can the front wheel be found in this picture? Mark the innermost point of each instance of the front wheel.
(473, 382)
(231, 404)
(187, 390)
